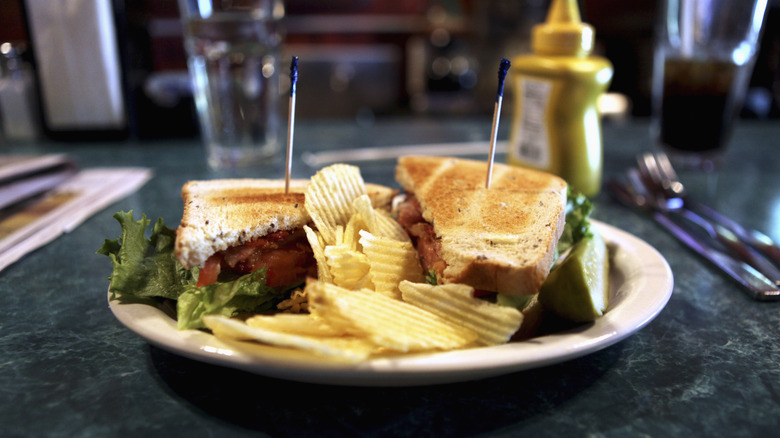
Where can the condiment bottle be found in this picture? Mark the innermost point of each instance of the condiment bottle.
(556, 125)
(18, 98)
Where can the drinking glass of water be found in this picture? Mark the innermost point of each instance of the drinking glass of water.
(233, 59)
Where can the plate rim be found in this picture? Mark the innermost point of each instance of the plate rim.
(632, 312)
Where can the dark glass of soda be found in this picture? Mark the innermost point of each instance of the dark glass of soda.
(698, 105)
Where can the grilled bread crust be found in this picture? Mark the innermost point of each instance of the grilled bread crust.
(499, 239)
(220, 214)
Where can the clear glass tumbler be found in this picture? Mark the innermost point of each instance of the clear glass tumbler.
(233, 58)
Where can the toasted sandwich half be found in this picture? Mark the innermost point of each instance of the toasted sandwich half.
(241, 225)
(501, 239)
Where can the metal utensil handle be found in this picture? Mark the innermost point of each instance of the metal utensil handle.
(758, 286)
(733, 244)
(754, 238)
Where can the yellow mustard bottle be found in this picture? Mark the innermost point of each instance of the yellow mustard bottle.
(556, 125)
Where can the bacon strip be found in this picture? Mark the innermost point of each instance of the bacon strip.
(424, 238)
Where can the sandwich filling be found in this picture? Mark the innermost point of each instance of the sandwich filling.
(286, 256)
(423, 237)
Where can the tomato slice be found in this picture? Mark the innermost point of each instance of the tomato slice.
(210, 271)
(286, 266)
(287, 258)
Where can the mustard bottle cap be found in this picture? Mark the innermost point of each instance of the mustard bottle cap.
(563, 34)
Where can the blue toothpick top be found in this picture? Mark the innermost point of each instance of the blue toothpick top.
(293, 75)
(502, 69)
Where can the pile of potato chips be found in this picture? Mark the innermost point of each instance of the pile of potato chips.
(370, 297)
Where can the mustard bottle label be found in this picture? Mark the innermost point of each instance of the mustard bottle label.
(532, 144)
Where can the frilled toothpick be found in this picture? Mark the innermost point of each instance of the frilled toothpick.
(502, 69)
(291, 122)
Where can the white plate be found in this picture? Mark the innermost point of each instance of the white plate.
(641, 284)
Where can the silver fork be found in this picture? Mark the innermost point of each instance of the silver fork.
(715, 231)
(658, 170)
(756, 284)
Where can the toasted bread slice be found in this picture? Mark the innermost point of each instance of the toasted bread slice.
(220, 214)
(500, 239)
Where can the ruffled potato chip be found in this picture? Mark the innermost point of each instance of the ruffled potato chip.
(389, 323)
(345, 348)
(388, 227)
(296, 324)
(318, 248)
(456, 303)
(349, 268)
(329, 198)
(390, 261)
(352, 232)
(378, 222)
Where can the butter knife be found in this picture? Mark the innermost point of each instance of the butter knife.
(756, 284)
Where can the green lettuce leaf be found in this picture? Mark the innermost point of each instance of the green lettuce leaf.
(519, 302)
(431, 277)
(244, 294)
(578, 211)
(144, 267)
(147, 269)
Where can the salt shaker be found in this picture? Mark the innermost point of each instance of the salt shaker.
(19, 118)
